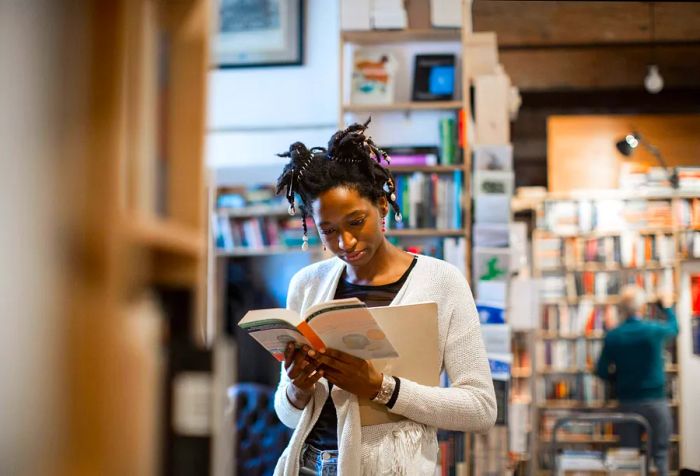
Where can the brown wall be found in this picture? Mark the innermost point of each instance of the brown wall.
(581, 150)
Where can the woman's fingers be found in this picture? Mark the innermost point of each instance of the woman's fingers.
(307, 380)
(300, 367)
(288, 355)
(342, 356)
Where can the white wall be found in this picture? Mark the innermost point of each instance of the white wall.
(255, 113)
(689, 365)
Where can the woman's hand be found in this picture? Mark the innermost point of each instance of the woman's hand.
(303, 373)
(349, 373)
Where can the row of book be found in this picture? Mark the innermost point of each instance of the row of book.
(448, 152)
(603, 285)
(587, 388)
(568, 217)
(567, 355)
(689, 244)
(429, 201)
(452, 459)
(450, 249)
(582, 319)
(259, 233)
(583, 388)
(656, 179)
(254, 198)
(629, 249)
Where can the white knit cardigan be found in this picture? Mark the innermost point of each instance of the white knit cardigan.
(410, 446)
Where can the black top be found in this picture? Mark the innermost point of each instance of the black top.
(324, 434)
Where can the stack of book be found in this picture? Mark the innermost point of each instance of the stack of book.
(582, 460)
(389, 15)
(429, 200)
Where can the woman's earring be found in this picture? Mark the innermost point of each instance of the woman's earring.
(383, 224)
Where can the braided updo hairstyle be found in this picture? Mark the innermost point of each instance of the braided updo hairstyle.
(351, 160)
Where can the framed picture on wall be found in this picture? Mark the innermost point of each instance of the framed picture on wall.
(255, 33)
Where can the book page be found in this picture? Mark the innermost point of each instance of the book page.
(348, 326)
(413, 329)
(273, 329)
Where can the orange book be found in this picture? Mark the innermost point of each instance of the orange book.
(342, 324)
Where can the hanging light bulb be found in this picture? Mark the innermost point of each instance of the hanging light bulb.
(653, 81)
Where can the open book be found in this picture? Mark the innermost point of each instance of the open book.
(342, 324)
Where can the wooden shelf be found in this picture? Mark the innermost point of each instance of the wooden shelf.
(601, 234)
(591, 439)
(266, 251)
(404, 106)
(615, 299)
(617, 194)
(576, 404)
(397, 36)
(671, 368)
(602, 439)
(425, 168)
(577, 299)
(165, 235)
(425, 232)
(254, 211)
(568, 370)
(554, 336)
(597, 267)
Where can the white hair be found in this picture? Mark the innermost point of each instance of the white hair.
(632, 300)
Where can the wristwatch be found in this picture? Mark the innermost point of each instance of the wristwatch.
(386, 390)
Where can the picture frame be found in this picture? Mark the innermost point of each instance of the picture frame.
(257, 33)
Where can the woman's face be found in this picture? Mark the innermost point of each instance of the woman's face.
(350, 225)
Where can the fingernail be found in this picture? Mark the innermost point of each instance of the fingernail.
(312, 353)
(323, 351)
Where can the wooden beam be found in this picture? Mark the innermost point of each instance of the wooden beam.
(601, 68)
(542, 23)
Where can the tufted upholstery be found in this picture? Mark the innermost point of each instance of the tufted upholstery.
(260, 436)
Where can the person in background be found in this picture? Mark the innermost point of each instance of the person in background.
(632, 358)
(349, 193)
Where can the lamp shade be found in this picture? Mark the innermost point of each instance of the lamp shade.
(627, 144)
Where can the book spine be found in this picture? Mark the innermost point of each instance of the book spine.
(458, 199)
(447, 141)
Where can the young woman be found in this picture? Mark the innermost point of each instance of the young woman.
(349, 193)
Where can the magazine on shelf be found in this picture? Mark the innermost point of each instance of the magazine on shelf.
(373, 78)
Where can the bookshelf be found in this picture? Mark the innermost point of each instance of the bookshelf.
(374, 37)
(586, 246)
(139, 233)
(427, 235)
(442, 228)
(403, 106)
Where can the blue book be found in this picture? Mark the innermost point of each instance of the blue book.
(458, 182)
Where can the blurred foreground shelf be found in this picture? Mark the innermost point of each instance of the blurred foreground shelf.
(165, 235)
